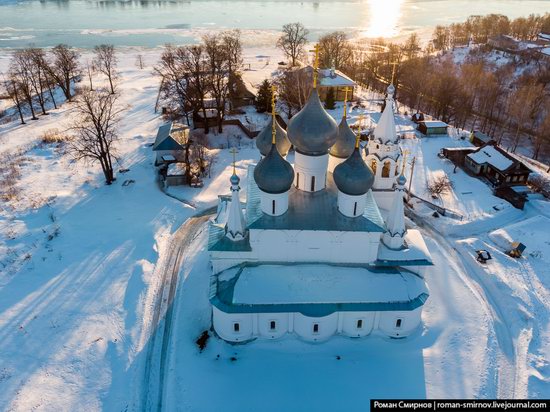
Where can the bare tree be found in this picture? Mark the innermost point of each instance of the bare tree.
(90, 69)
(218, 74)
(64, 68)
(232, 46)
(294, 87)
(37, 67)
(293, 40)
(20, 75)
(95, 130)
(195, 64)
(334, 50)
(440, 185)
(15, 95)
(106, 62)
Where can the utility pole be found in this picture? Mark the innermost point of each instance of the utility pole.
(411, 179)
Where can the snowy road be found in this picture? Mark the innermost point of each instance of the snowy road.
(161, 324)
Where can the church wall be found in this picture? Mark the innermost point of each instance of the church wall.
(304, 327)
(350, 323)
(388, 323)
(265, 322)
(279, 200)
(351, 206)
(258, 325)
(314, 246)
(224, 324)
(308, 167)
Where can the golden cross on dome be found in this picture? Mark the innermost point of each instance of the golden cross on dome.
(315, 65)
(346, 90)
(233, 151)
(273, 127)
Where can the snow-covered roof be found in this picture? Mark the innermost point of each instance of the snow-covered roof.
(546, 51)
(170, 137)
(489, 154)
(415, 254)
(176, 169)
(335, 78)
(544, 36)
(315, 289)
(434, 123)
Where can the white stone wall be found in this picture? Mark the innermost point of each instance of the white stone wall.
(388, 153)
(279, 200)
(315, 246)
(258, 325)
(307, 167)
(351, 206)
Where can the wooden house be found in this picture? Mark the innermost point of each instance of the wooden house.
(170, 143)
(480, 139)
(432, 127)
(495, 164)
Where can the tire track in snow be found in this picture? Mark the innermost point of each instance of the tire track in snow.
(160, 327)
(506, 360)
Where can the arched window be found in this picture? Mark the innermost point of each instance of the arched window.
(373, 165)
(354, 208)
(298, 180)
(396, 169)
(386, 169)
(313, 183)
(273, 206)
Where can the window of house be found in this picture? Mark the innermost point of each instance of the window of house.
(359, 323)
(354, 208)
(313, 183)
(273, 206)
(272, 325)
(236, 327)
(508, 178)
(315, 328)
(398, 323)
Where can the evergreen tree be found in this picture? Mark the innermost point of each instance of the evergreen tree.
(329, 100)
(263, 99)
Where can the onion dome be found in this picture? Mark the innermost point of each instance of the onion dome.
(401, 180)
(353, 177)
(234, 179)
(345, 141)
(263, 140)
(273, 174)
(312, 130)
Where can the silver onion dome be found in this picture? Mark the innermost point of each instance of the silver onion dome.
(273, 174)
(345, 141)
(353, 177)
(312, 130)
(263, 140)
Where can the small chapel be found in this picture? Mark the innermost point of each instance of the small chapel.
(320, 246)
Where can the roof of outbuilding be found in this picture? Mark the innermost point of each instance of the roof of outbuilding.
(164, 139)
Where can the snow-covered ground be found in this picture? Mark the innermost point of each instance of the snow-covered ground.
(80, 266)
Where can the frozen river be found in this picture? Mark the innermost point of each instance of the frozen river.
(85, 23)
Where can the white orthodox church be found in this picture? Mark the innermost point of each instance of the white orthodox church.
(320, 247)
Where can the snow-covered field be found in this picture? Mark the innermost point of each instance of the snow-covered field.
(80, 282)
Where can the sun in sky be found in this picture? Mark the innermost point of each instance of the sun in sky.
(383, 17)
